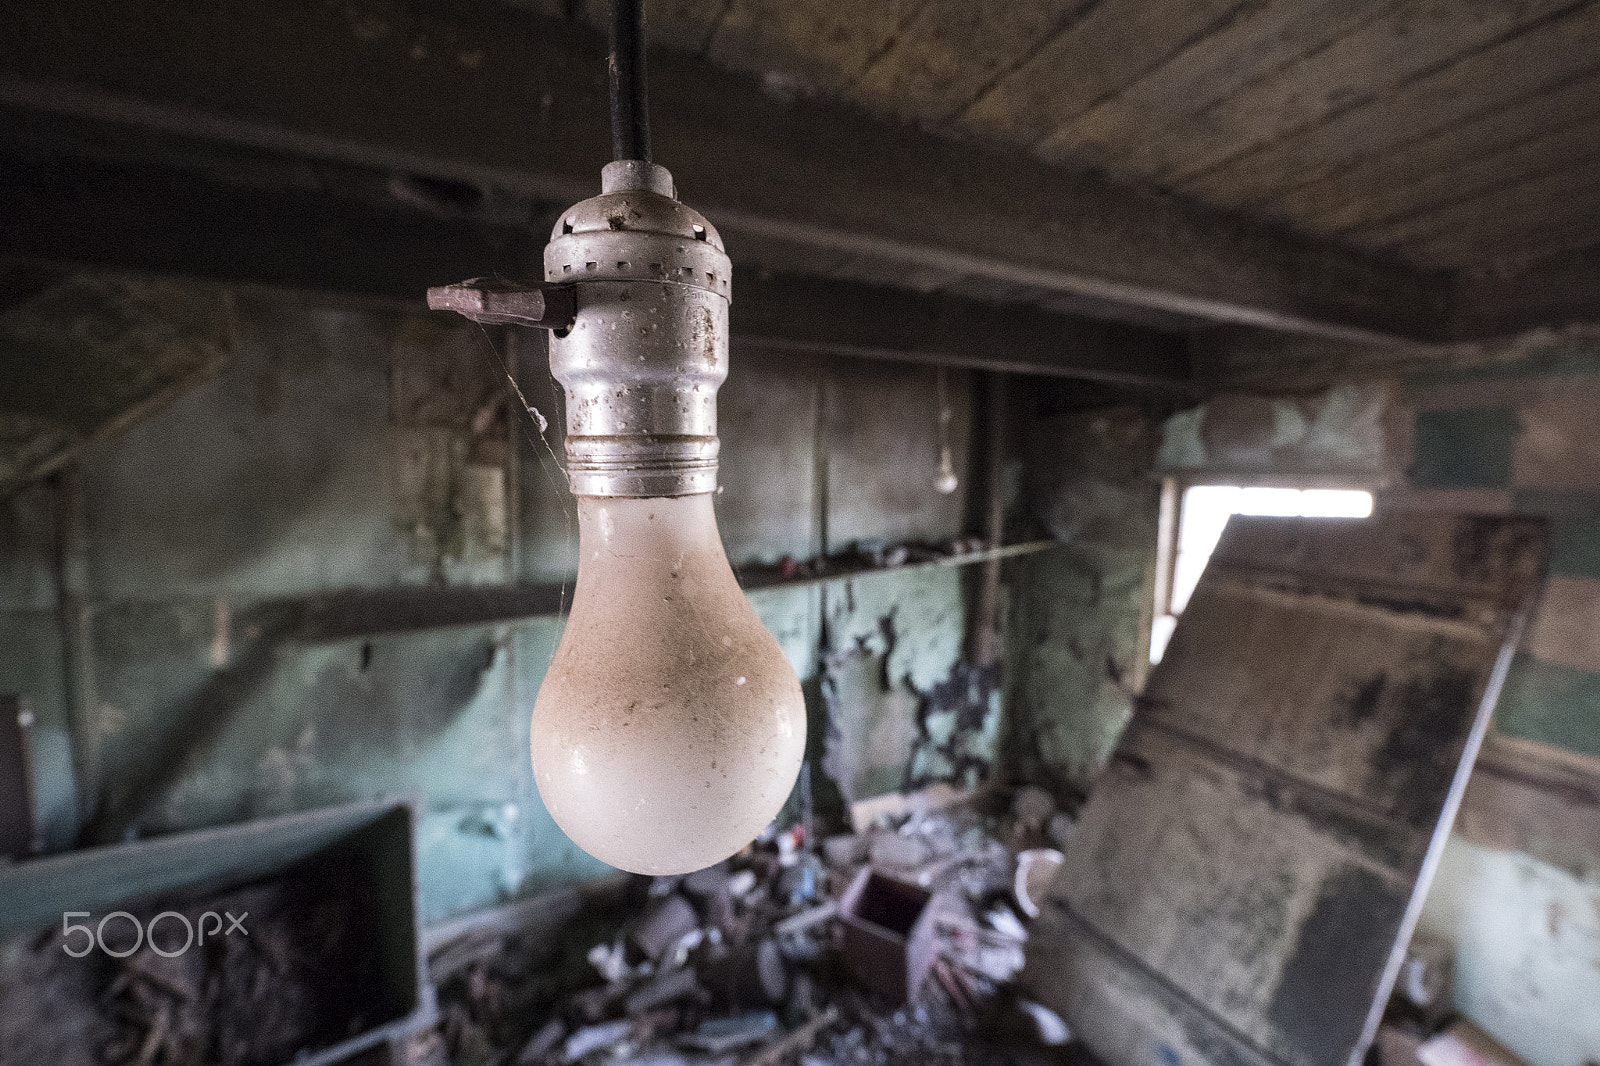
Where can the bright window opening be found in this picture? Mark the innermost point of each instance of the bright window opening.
(1205, 510)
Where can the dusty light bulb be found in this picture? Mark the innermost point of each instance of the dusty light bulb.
(670, 727)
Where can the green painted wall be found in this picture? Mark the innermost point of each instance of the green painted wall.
(341, 449)
(1519, 435)
(1527, 946)
(1464, 449)
(1080, 617)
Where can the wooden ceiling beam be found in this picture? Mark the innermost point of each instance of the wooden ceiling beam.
(1559, 292)
(112, 215)
(503, 98)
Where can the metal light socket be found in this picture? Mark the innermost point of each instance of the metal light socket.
(648, 346)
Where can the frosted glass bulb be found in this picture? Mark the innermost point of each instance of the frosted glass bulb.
(670, 726)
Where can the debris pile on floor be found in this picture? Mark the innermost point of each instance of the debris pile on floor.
(893, 944)
(291, 969)
(876, 554)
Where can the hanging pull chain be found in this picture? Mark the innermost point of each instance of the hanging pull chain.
(946, 482)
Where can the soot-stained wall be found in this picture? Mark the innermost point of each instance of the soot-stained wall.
(341, 449)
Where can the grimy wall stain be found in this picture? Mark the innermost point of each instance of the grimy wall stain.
(1080, 611)
(82, 352)
(339, 449)
(1519, 432)
(1515, 431)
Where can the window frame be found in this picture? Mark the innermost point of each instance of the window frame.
(1169, 528)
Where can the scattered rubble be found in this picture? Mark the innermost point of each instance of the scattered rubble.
(1036, 868)
(298, 972)
(871, 554)
(893, 944)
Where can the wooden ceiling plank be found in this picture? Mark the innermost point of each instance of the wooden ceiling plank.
(1391, 216)
(682, 25)
(1114, 43)
(1374, 184)
(1517, 224)
(687, 25)
(832, 317)
(1411, 38)
(771, 253)
(826, 43)
(1541, 58)
(517, 103)
(870, 271)
(193, 224)
(1130, 132)
(1576, 230)
(952, 50)
(1511, 205)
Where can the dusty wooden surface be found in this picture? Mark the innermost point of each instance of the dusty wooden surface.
(488, 96)
(1264, 834)
(1392, 126)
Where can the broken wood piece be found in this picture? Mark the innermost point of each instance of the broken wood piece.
(717, 1036)
(139, 966)
(155, 1038)
(799, 1040)
(863, 813)
(702, 884)
(661, 989)
(592, 1004)
(844, 849)
(541, 1043)
(751, 975)
(799, 923)
(663, 926)
(1464, 1044)
(946, 978)
(595, 1037)
(1048, 1027)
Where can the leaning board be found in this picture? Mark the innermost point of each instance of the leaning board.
(1249, 866)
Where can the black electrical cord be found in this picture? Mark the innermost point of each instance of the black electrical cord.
(630, 113)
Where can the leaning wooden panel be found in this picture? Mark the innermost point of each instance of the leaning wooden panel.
(1249, 867)
(1374, 715)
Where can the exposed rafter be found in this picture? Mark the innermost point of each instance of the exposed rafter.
(497, 96)
(188, 222)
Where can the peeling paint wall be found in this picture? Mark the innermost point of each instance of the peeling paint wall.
(893, 639)
(1520, 436)
(357, 450)
(1080, 611)
(1355, 433)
